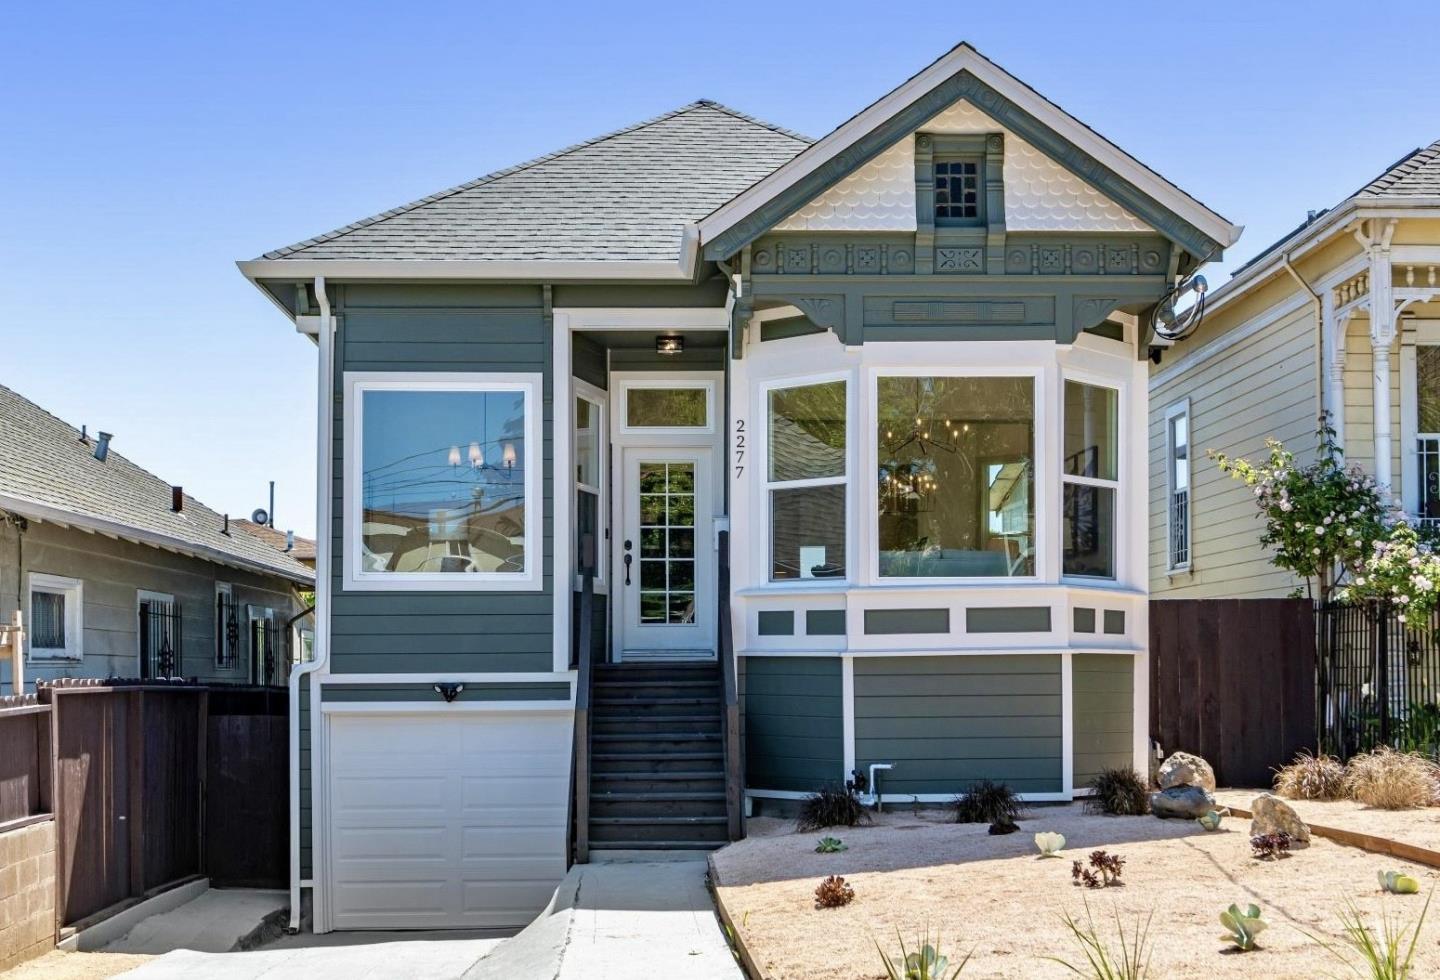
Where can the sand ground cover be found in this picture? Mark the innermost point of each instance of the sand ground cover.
(1419, 827)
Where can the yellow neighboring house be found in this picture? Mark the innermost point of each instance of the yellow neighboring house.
(1341, 316)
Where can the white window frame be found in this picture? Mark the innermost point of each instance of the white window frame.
(599, 400)
(1040, 421)
(1426, 333)
(665, 381)
(768, 485)
(1119, 541)
(1180, 409)
(356, 384)
(73, 590)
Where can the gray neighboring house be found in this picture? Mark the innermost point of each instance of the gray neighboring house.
(119, 574)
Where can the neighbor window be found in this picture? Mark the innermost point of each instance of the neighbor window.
(1091, 476)
(956, 476)
(957, 191)
(806, 481)
(1177, 453)
(445, 483)
(55, 624)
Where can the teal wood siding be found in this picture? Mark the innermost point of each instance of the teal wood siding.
(455, 329)
(793, 723)
(1104, 707)
(947, 721)
(305, 771)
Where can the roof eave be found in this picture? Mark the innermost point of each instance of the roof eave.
(36, 510)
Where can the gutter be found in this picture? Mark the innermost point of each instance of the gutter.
(324, 479)
(1317, 306)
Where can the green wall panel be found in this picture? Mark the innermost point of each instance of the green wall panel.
(1007, 619)
(887, 621)
(1104, 707)
(793, 723)
(776, 622)
(825, 622)
(947, 721)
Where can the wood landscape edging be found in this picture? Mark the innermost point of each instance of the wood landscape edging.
(1365, 842)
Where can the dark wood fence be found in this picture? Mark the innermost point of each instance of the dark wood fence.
(25, 762)
(1233, 680)
(154, 782)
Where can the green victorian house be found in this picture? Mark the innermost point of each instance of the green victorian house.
(700, 465)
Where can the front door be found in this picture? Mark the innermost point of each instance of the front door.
(665, 565)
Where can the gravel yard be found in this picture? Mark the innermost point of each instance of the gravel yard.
(1418, 827)
(911, 870)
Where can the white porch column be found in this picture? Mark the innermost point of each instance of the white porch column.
(1382, 339)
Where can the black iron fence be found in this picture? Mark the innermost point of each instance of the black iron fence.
(1377, 680)
(159, 639)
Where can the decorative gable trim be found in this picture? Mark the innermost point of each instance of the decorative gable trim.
(962, 250)
(958, 76)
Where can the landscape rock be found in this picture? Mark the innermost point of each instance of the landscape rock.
(1184, 769)
(1185, 802)
(1272, 815)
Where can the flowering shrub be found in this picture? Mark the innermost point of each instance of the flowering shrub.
(1402, 571)
(1318, 518)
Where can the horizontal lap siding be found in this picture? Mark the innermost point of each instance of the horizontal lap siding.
(944, 722)
(794, 736)
(429, 329)
(1103, 703)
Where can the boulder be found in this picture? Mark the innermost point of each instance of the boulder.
(1272, 815)
(1185, 802)
(1184, 769)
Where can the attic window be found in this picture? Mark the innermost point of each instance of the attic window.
(957, 191)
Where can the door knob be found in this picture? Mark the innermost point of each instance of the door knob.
(628, 560)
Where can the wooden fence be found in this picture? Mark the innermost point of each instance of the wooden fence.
(1233, 680)
(159, 783)
(25, 770)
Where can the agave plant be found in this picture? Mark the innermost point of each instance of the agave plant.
(925, 963)
(1244, 925)
(1397, 883)
(830, 845)
(1384, 955)
(1211, 820)
(1050, 843)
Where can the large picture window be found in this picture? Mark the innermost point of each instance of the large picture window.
(1091, 477)
(445, 478)
(955, 476)
(806, 480)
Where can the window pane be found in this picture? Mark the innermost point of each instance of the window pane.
(1427, 383)
(667, 549)
(1092, 428)
(807, 431)
(47, 620)
(443, 481)
(587, 532)
(587, 443)
(956, 476)
(1180, 452)
(670, 408)
(1089, 531)
(807, 533)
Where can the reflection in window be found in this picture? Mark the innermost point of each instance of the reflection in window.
(667, 408)
(1427, 443)
(443, 481)
(1091, 477)
(806, 479)
(956, 477)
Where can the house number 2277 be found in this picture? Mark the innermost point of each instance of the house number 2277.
(739, 447)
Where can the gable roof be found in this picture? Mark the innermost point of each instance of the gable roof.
(49, 474)
(620, 197)
(1416, 175)
(964, 72)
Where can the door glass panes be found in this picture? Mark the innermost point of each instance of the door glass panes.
(667, 408)
(667, 543)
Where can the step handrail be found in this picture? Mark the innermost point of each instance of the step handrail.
(730, 700)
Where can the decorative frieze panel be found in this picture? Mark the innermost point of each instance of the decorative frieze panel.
(1027, 255)
(1086, 257)
(960, 260)
(787, 256)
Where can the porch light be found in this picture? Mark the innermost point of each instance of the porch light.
(669, 345)
(477, 456)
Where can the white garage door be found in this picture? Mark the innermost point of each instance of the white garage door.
(446, 821)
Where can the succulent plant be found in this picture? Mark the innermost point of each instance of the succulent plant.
(1271, 846)
(1398, 883)
(830, 845)
(1244, 925)
(925, 963)
(1211, 820)
(1103, 872)
(833, 892)
(1050, 843)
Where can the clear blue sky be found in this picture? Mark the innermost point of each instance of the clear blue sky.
(144, 147)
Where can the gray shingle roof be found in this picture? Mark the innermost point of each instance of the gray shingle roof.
(1417, 175)
(620, 197)
(48, 471)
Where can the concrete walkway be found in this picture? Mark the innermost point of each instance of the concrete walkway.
(213, 922)
(645, 915)
(334, 956)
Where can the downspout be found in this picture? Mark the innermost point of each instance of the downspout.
(1318, 306)
(324, 430)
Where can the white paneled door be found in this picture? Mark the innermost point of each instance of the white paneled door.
(446, 821)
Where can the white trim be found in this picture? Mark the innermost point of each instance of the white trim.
(599, 400)
(659, 381)
(438, 677)
(73, 592)
(1030, 649)
(1173, 412)
(438, 707)
(1121, 528)
(847, 712)
(586, 318)
(530, 385)
(1417, 333)
(902, 798)
(966, 58)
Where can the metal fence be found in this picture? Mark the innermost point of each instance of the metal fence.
(1377, 680)
(159, 639)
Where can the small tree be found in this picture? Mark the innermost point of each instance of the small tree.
(1321, 520)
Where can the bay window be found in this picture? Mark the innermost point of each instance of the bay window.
(1091, 478)
(444, 482)
(955, 476)
(806, 480)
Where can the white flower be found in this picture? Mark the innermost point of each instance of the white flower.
(1315, 551)
(1320, 530)
(1285, 506)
